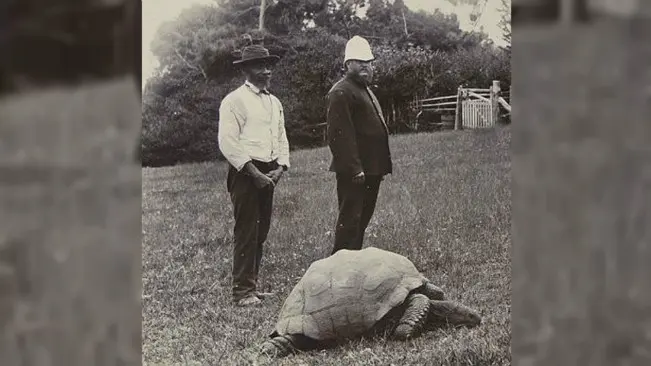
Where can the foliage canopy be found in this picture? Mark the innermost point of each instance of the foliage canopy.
(418, 54)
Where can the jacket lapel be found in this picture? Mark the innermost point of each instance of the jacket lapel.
(378, 109)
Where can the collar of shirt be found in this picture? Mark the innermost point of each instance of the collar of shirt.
(255, 89)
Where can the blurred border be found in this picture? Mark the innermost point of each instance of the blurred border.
(70, 187)
(47, 43)
(581, 152)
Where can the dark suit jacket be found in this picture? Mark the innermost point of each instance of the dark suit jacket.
(357, 134)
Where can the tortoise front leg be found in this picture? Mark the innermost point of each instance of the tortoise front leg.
(281, 346)
(451, 313)
(432, 291)
(414, 317)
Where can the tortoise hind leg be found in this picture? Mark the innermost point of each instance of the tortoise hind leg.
(452, 313)
(414, 317)
(281, 346)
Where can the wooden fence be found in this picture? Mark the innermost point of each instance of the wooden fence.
(471, 107)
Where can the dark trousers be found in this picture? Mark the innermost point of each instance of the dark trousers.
(356, 207)
(252, 208)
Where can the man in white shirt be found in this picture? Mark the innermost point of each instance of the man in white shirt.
(253, 139)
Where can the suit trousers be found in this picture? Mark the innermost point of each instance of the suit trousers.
(356, 208)
(252, 208)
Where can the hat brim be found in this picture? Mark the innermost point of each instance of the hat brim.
(360, 59)
(271, 58)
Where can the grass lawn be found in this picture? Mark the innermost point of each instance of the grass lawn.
(447, 207)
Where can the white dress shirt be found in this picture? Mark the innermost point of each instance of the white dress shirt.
(252, 127)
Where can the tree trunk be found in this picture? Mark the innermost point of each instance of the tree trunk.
(263, 6)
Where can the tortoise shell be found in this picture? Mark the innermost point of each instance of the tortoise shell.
(346, 294)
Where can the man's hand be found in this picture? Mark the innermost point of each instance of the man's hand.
(359, 178)
(259, 180)
(276, 174)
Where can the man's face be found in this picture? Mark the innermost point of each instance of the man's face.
(363, 69)
(259, 73)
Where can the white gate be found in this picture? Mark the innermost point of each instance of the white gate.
(477, 113)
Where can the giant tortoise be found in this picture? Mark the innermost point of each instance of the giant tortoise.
(354, 293)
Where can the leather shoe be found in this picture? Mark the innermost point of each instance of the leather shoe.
(249, 300)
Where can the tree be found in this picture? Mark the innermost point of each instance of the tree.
(505, 22)
(196, 53)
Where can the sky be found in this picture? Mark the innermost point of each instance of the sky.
(155, 12)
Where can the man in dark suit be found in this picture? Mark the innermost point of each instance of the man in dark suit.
(358, 138)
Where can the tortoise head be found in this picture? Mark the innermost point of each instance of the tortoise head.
(453, 313)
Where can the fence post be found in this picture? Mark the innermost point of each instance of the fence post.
(495, 104)
(458, 115)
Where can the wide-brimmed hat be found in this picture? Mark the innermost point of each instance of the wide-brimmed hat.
(256, 53)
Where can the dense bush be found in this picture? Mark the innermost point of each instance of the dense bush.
(180, 103)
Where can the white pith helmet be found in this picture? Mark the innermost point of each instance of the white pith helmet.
(358, 48)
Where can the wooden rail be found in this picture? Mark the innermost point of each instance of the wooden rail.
(481, 97)
(438, 98)
(504, 104)
(438, 104)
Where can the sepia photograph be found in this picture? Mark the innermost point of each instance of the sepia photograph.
(326, 182)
